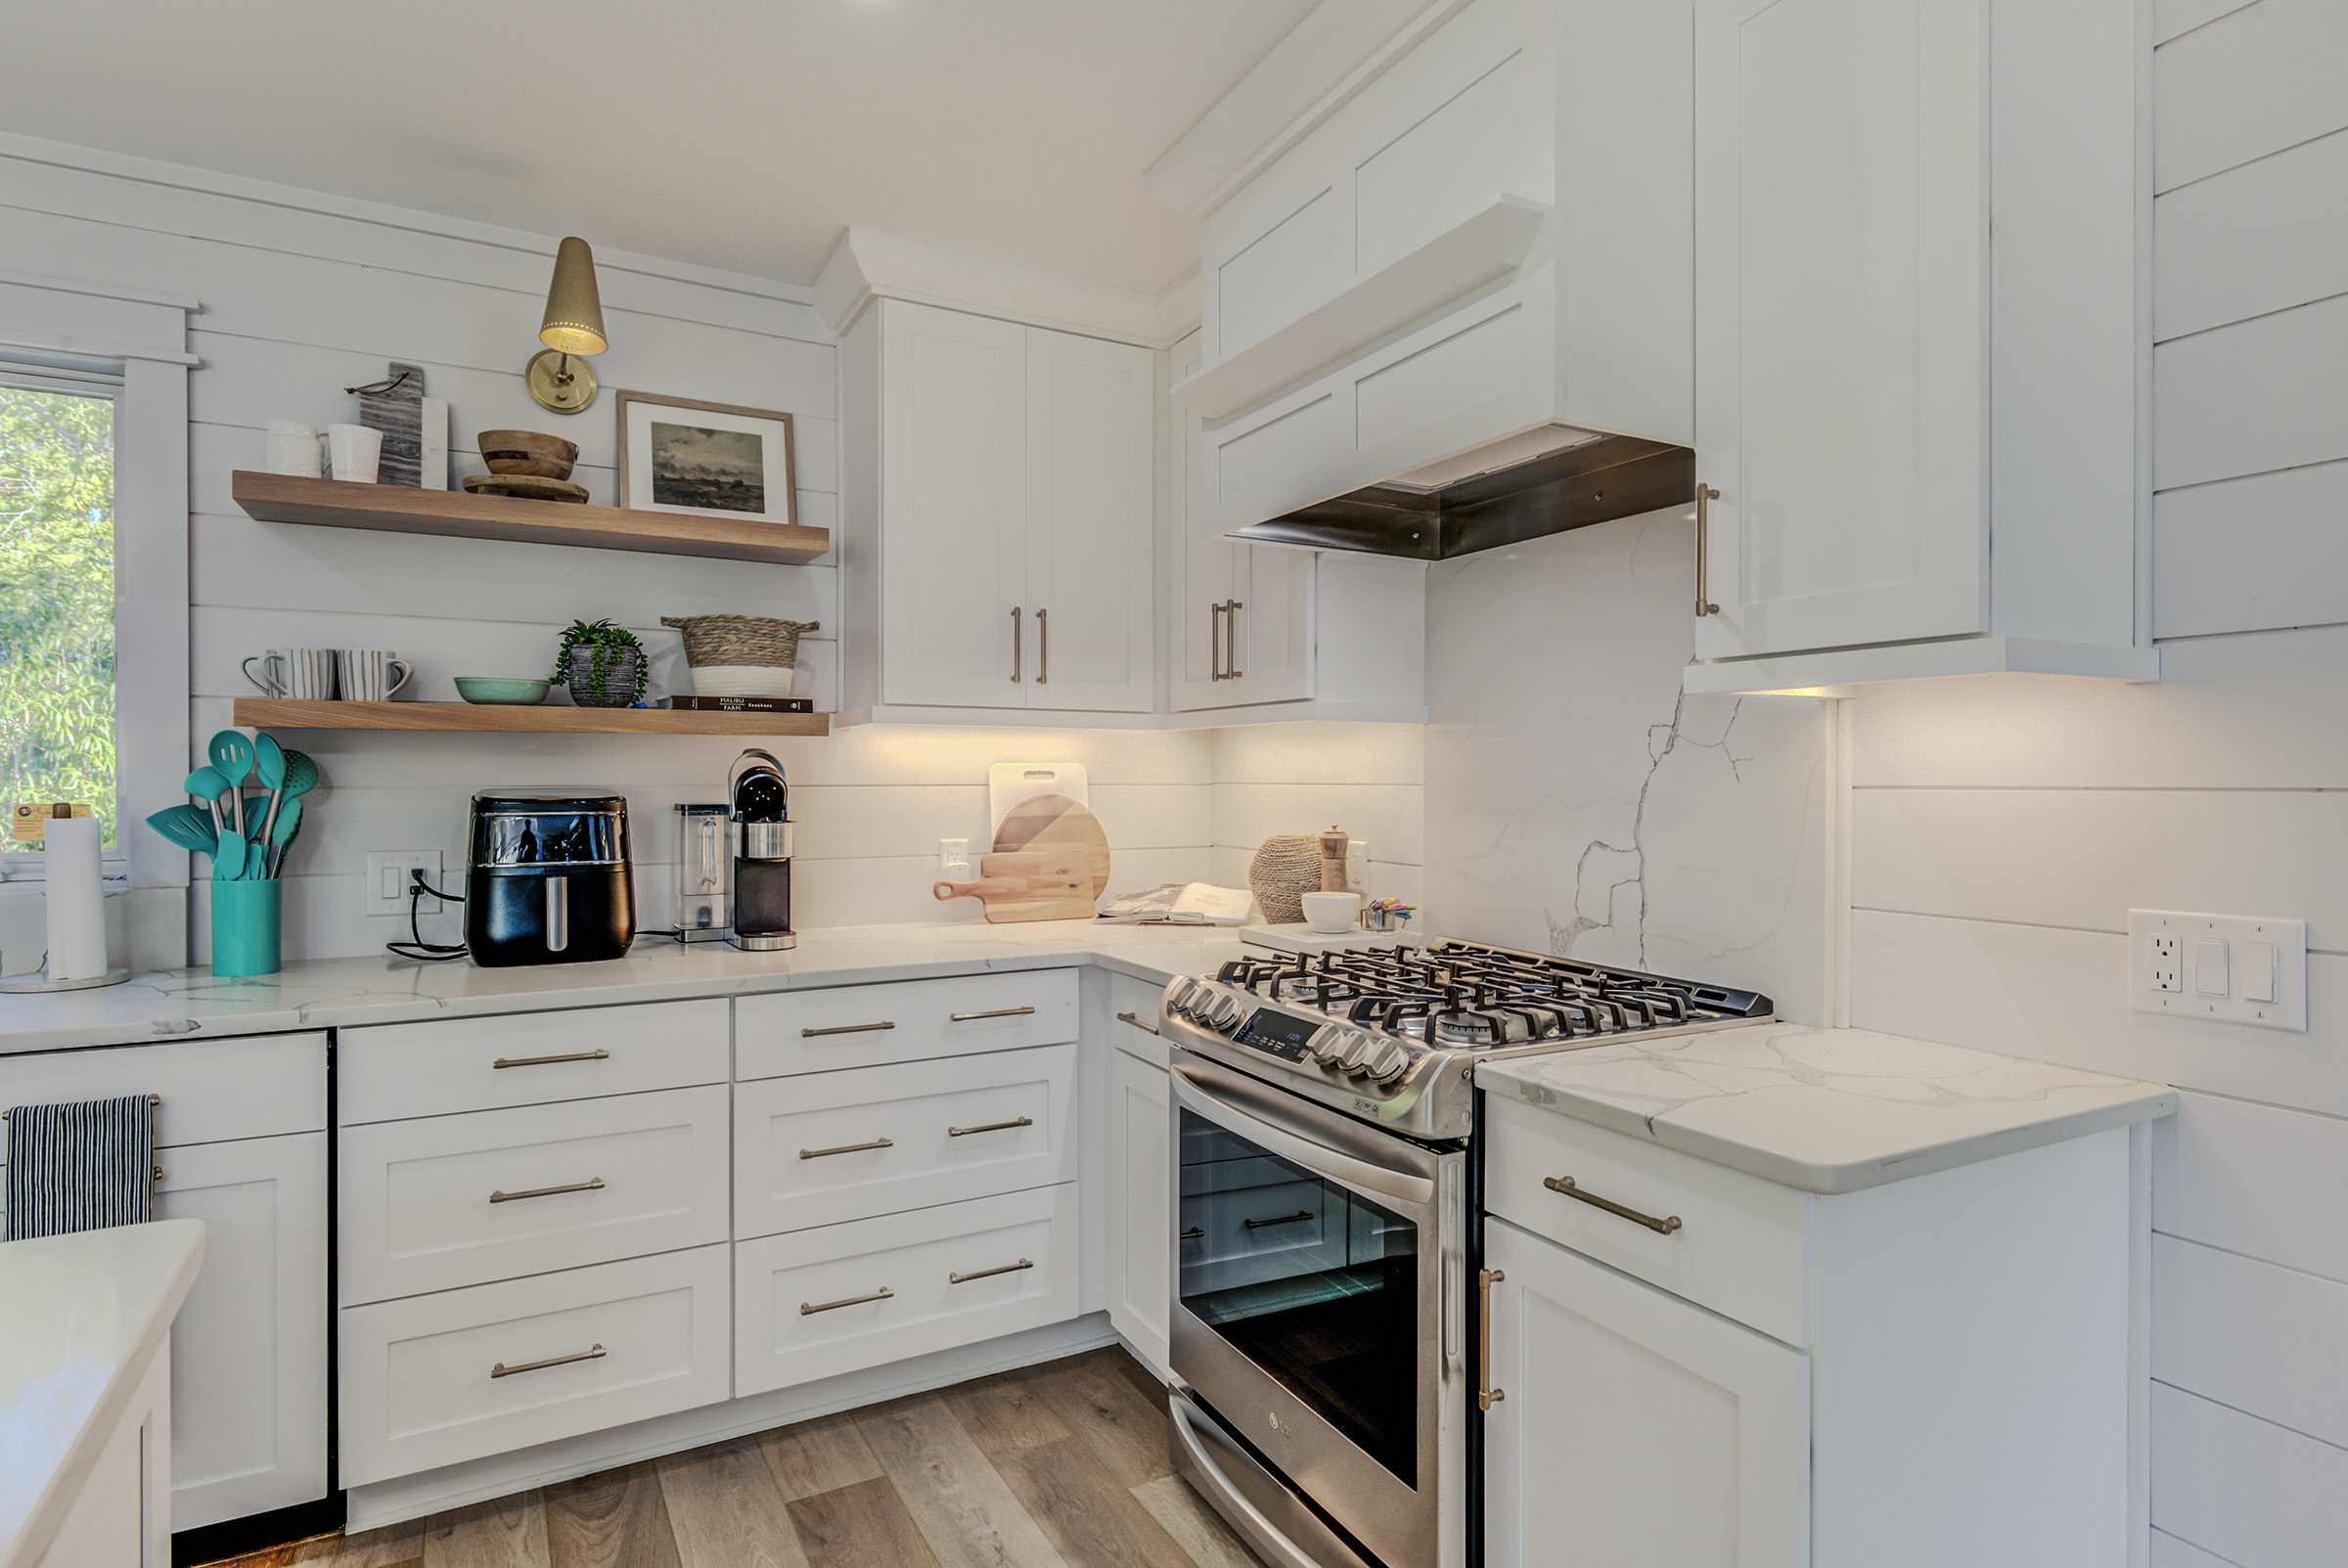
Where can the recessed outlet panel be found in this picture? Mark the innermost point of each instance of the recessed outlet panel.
(388, 880)
(2225, 967)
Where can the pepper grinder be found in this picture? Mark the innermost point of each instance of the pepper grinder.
(1332, 860)
(760, 833)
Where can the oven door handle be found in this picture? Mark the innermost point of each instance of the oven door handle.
(1238, 1509)
(1191, 1093)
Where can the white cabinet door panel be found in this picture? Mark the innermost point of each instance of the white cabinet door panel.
(778, 1033)
(460, 1065)
(1090, 564)
(1637, 1427)
(1141, 1206)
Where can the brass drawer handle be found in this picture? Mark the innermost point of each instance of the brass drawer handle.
(1014, 643)
(1564, 1185)
(501, 1370)
(1127, 1017)
(593, 1183)
(991, 1127)
(999, 1012)
(1285, 1218)
(881, 1294)
(541, 1062)
(954, 1278)
(1705, 494)
(845, 1148)
(1043, 647)
(1192, 1233)
(1486, 1396)
(846, 1029)
(1214, 640)
(1231, 641)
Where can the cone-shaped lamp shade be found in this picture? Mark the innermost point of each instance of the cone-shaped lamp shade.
(575, 311)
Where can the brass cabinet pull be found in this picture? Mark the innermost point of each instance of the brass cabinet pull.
(501, 1370)
(1192, 1233)
(1486, 1396)
(593, 1183)
(845, 1148)
(1285, 1218)
(1214, 640)
(1127, 1017)
(881, 1294)
(1704, 550)
(1564, 1185)
(1015, 648)
(541, 1062)
(846, 1029)
(954, 1278)
(1043, 647)
(1231, 638)
(991, 1127)
(999, 1012)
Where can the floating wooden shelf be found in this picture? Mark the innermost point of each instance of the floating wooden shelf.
(460, 515)
(284, 713)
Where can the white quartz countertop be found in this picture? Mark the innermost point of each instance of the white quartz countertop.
(1826, 1110)
(340, 993)
(80, 1317)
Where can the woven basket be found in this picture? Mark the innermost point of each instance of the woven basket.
(753, 640)
(1285, 869)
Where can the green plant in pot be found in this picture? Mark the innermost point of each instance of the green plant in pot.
(603, 664)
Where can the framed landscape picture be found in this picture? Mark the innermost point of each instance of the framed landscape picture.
(677, 455)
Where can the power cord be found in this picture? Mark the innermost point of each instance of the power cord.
(419, 948)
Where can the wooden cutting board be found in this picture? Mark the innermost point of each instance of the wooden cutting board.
(1057, 824)
(1031, 886)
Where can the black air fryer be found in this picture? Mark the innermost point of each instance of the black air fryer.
(548, 878)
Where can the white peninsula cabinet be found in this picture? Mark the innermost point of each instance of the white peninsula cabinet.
(1918, 341)
(1001, 510)
(240, 1138)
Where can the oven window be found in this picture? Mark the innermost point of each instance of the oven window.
(1316, 1285)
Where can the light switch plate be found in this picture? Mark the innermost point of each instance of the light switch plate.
(2173, 959)
(388, 880)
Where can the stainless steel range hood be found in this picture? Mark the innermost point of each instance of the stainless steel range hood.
(1524, 487)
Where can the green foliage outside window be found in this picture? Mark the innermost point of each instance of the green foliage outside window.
(57, 600)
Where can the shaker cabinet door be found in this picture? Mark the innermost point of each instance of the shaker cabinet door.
(1843, 235)
(1141, 1206)
(1634, 1427)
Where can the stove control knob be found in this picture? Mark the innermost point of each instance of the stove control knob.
(1179, 992)
(1328, 1043)
(1356, 1051)
(1386, 1061)
(1225, 1015)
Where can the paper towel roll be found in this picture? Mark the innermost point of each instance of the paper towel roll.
(77, 902)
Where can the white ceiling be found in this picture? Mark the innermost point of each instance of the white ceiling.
(743, 134)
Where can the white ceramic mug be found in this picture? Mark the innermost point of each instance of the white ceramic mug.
(356, 450)
(303, 674)
(1331, 913)
(367, 674)
(294, 448)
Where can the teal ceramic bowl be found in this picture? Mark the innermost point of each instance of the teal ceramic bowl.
(501, 689)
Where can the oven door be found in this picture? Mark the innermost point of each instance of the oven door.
(1318, 1303)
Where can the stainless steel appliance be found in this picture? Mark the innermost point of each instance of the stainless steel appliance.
(1323, 1326)
(547, 878)
(760, 829)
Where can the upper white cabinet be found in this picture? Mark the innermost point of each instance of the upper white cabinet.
(1916, 339)
(1481, 243)
(1001, 498)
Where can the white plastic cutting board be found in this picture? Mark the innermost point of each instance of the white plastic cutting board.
(1008, 784)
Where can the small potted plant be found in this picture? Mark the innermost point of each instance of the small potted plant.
(603, 664)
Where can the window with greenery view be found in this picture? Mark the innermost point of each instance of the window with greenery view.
(57, 597)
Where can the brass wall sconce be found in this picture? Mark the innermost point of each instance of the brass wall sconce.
(559, 378)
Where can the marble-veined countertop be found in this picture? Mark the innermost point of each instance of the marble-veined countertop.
(1826, 1110)
(341, 993)
(80, 1319)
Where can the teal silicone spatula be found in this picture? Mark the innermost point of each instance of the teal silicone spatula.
(187, 827)
(280, 837)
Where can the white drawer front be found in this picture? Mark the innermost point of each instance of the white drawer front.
(788, 1032)
(254, 1085)
(419, 1378)
(420, 1210)
(810, 1151)
(913, 1257)
(1133, 1019)
(528, 1058)
(1743, 1246)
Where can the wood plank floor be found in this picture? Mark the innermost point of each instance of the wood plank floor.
(1061, 1466)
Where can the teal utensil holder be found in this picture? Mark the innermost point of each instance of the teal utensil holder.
(246, 920)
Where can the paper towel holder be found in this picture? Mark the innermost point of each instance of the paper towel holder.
(16, 985)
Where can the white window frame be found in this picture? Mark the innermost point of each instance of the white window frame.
(145, 336)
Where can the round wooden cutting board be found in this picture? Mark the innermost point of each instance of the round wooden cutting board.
(1057, 825)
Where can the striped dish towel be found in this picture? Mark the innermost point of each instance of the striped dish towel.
(79, 1167)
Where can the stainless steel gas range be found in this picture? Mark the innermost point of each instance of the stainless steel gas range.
(1327, 1202)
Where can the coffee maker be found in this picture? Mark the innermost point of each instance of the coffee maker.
(759, 827)
(547, 878)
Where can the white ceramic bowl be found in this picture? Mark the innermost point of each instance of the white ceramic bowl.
(1331, 913)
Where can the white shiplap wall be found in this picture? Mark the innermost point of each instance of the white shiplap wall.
(304, 295)
(2002, 829)
(1368, 779)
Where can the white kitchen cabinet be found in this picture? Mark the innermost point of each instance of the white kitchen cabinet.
(1918, 341)
(1689, 1435)
(1139, 1206)
(1000, 552)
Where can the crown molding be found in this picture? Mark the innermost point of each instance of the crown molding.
(866, 265)
(1340, 48)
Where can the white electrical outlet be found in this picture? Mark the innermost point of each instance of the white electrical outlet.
(954, 861)
(388, 880)
(2226, 968)
(1357, 866)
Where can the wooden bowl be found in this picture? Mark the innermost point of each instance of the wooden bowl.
(528, 453)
